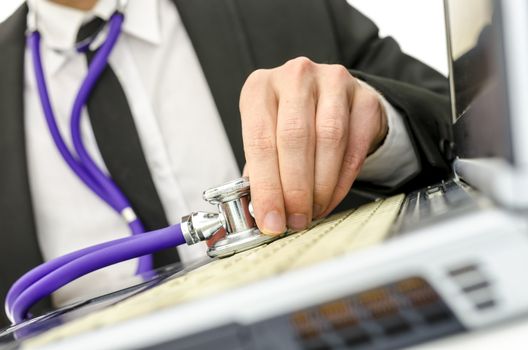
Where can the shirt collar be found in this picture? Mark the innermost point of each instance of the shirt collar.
(59, 24)
(143, 20)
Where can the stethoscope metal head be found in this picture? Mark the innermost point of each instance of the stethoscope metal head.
(235, 216)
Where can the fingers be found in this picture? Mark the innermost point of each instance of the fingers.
(258, 108)
(296, 140)
(332, 127)
(364, 126)
(307, 129)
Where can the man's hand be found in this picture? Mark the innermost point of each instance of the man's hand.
(307, 130)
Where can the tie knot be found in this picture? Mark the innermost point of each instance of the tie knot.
(87, 33)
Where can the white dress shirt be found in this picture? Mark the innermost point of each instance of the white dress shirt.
(181, 133)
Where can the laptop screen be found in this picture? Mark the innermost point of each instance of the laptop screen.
(478, 86)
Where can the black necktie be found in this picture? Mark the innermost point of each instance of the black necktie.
(120, 147)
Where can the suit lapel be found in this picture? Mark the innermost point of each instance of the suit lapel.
(17, 227)
(219, 40)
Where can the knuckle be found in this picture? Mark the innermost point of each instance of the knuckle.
(341, 190)
(370, 102)
(259, 142)
(253, 83)
(293, 131)
(299, 66)
(339, 73)
(331, 130)
(266, 186)
(265, 194)
(257, 76)
(323, 190)
(296, 197)
(352, 163)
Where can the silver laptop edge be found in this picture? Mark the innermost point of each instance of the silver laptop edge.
(504, 182)
(515, 28)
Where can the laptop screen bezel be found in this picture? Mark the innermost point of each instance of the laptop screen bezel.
(485, 135)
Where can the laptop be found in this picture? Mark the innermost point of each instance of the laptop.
(398, 272)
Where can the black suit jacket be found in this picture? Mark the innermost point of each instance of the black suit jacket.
(232, 38)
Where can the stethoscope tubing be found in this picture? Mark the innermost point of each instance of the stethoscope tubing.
(41, 282)
(34, 43)
(84, 166)
(99, 63)
(41, 271)
(114, 194)
(50, 276)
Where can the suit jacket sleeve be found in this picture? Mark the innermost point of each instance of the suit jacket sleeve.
(416, 90)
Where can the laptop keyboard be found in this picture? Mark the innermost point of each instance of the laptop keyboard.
(326, 239)
(435, 203)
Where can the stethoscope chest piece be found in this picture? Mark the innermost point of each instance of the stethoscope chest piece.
(234, 216)
(238, 242)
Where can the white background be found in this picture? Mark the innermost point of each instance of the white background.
(418, 25)
(8, 6)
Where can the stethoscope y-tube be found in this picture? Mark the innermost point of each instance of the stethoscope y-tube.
(49, 277)
(81, 163)
(232, 199)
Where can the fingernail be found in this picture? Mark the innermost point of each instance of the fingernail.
(317, 210)
(297, 222)
(273, 223)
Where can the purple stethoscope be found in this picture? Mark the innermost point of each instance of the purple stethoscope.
(234, 216)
